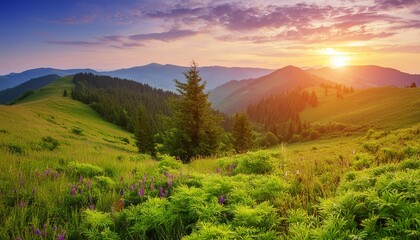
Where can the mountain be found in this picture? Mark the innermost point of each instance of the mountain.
(367, 76)
(14, 79)
(10, 94)
(155, 75)
(237, 95)
(162, 76)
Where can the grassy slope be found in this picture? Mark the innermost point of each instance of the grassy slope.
(382, 108)
(48, 113)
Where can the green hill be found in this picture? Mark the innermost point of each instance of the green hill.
(30, 129)
(382, 108)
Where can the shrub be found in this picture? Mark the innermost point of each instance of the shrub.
(167, 162)
(254, 163)
(15, 149)
(96, 225)
(49, 143)
(85, 169)
(77, 131)
(104, 183)
(362, 161)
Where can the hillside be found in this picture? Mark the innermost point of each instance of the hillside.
(81, 133)
(8, 95)
(384, 108)
(367, 76)
(237, 95)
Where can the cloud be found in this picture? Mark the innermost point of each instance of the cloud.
(171, 35)
(389, 4)
(119, 41)
(74, 43)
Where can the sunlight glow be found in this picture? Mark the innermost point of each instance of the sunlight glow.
(336, 58)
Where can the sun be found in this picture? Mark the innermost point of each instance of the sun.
(337, 59)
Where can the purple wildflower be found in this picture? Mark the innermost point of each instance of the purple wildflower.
(170, 182)
(222, 199)
(47, 172)
(55, 174)
(123, 202)
(90, 198)
(21, 204)
(72, 191)
(34, 191)
(161, 193)
(62, 236)
(92, 206)
(122, 192)
(153, 179)
(44, 226)
(18, 238)
(37, 232)
(140, 192)
(88, 184)
(152, 187)
(81, 179)
(144, 178)
(131, 188)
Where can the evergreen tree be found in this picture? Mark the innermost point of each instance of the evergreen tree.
(65, 93)
(195, 129)
(144, 133)
(242, 133)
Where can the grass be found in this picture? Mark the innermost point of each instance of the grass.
(379, 108)
(66, 172)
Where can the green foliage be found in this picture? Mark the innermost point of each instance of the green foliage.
(77, 131)
(23, 96)
(49, 143)
(144, 133)
(362, 161)
(96, 226)
(242, 133)
(85, 169)
(65, 93)
(167, 163)
(194, 129)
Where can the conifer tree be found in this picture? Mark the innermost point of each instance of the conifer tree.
(144, 133)
(242, 133)
(195, 129)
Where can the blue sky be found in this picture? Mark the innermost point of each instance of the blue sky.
(106, 35)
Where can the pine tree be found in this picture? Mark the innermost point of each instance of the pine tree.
(195, 129)
(144, 133)
(242, 133)
(65, 94)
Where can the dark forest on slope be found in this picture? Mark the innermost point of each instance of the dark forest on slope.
(121, 101)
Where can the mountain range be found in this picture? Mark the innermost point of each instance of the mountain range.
(235, 96)
(155, 75)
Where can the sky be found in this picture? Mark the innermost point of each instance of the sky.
(108, 35)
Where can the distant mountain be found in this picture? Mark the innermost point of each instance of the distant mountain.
(237, 95)
(162, 76)
(14, 79)
(367, 76)
(8, 95)
(155, 75)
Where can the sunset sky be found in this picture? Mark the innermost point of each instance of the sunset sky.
(107, 35)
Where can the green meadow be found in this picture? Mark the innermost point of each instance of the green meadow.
(68, 174)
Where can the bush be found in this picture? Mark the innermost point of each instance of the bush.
(77, 131)
(254, 163)
(362, 161)
(104, 183)
(85, 169)
(167, 162)
(49, 143)
(15, 149)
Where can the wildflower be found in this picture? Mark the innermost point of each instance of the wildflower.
(55, 174)
(62, 236)
(47, 172)
(37, 232)
(222, 199)
(123, 202)
(81, 179)
(90, 198)
(170, 182)
(88, 184)
(18, 238)
(34, 191)
(161, 193)
(152, 187)
(131, 188)
(72, 191)
(140, 192)
(21, 204)
(144, 178)
(153, 179)
(91, 207)
(122, 192)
